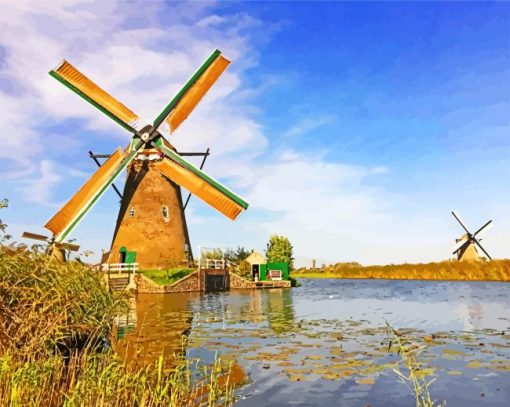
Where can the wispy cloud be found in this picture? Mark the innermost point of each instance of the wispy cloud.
(40, 188)
(307, 125)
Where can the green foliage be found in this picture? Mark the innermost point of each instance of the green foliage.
(235, 259)
(4, 203)
(167, 277)
(294, 282)
(231, 255)
(279, 249)
(241, 254)
(213, 254)
(244, 269)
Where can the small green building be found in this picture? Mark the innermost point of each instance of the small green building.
(261, 270)
(274, 271)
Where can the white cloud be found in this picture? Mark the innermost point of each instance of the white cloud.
(328, 209)
(39, 189)
(307, 125)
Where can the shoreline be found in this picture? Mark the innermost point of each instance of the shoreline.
(337, 277)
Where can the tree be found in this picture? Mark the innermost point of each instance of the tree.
(236, 255)
(279, 249)
(4, 203)
(213, 254)
(244, 269)
(241, 254)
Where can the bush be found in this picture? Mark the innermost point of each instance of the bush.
(54, 320)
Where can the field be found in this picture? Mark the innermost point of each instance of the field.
(495, 270)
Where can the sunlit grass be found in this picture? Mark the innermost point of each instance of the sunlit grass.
(167, 277)
(55, 326)
(495, 270)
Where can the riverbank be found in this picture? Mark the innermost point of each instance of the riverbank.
(495, 270)
(56, 337)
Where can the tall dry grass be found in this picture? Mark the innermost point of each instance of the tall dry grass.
(55, 321)
(495, 270)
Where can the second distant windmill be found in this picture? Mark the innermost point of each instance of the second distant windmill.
(468, 245)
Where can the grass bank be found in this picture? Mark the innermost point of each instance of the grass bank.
(495, 270)
(167, 277)
(55, 322)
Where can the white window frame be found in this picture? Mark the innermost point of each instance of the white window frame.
(278, 272)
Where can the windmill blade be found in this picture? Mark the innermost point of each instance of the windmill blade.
(68, 246)
(94, 157)
(198, 183)
(88, 90)
(35, 236)
(201, 167)
(480, 246)
(459, 245)
(484, 228)
(456, 216)
(188, 97)
(66, 219)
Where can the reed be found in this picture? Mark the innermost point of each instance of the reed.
(410, 369)
(495, 270)
(55, 325)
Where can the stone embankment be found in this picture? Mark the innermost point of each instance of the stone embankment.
(195, 282)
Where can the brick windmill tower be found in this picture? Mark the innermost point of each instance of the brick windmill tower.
(151, 225)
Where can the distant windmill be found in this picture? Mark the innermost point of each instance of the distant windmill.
(466, 247)
(53, 248)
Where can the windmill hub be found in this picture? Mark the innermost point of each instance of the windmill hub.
(148, 133)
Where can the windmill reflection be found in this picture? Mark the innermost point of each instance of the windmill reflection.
(158, 325)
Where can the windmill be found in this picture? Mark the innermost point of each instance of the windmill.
(151, 225)
(468, 244)
(54, 249)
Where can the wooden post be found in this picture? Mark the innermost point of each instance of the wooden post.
(108, 272)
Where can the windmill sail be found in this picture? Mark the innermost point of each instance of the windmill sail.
(35, 236)
(88, 90)
(198, 183)
(190, 95)
(73, 211)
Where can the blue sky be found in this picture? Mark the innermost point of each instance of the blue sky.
(352, 128)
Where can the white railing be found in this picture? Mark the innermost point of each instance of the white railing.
(212, 264)
(120, 267)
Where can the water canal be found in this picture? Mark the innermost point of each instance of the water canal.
(326, 343)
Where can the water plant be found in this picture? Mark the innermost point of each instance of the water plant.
(410, 370)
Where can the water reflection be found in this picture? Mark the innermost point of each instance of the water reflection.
(325, 343)
(162, 324)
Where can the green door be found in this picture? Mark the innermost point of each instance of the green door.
(126, 256)
(130, 257)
